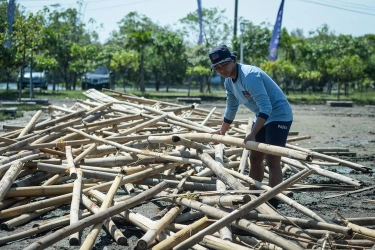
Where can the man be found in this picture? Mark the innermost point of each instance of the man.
(252, 87)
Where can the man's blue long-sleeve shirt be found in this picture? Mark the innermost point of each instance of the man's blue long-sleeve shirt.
(259, 93)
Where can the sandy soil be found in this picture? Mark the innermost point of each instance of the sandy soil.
(352, 128)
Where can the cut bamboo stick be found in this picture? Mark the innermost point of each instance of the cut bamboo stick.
(9, 177)
(31, 123)
(74, 239)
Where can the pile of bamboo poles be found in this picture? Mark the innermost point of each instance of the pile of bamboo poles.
(160, 152)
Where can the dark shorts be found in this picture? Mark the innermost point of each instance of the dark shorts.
(274, 133)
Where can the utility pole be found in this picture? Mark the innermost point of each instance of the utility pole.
(235, 18)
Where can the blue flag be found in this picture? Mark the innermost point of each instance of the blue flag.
(10, 19)
(275, 39)
(200, 39)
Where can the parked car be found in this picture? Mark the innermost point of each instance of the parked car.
(39, 78)
(97, 79)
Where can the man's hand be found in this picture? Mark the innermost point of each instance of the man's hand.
(218, 132)
(250, 137)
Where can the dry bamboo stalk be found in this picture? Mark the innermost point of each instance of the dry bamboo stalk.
(330, 158)
(84, 153)
(61, 169)
(60, 127)
(245, 209)
(24, 218)
(33, 179)
(19, 144)
(158, 227)
(9, 177)
(265, 148)
(359, 231)
(225, 200)
(22, 156)
(186, 186)
(71, 167)
(56, 121)
(181, 235)
(156, 155)
(177, 141)
(43, 191)
(281, 196)
(300, 222)
(143, 125)
(221, 244)
(245, 162)
(108, 223)
(322, 172)
(96, 218)
(74, 206)
(219, 171)
(350, 192)
(171, 116)
(204, 122)
(225, 232)
(99, 108)
(30, 124)
(298, 138)
(37, 230)
(93, 234)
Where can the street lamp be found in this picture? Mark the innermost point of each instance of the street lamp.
(242, 29)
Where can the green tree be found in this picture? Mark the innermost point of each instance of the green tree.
(137, 31)
(170, 47)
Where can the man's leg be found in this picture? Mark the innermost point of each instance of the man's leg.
(275, 173)
(256, 165)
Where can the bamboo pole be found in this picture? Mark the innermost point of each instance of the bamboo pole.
(251, 145)
(108, 223)
(220, 244)
(128, 149)
(181, 235)
(330, 158)
(225, 232)
(156, 228)
(245, 209)
(91, 237)
(71, 167)
(287, 200)
(96, 218)
(84, 153)
(74, 239)
(30, 124)
(322, 172)
(219, 171)
(245, 162)
(9, 177)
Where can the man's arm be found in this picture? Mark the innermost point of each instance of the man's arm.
(232, 104)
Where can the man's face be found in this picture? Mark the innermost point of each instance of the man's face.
(225, 69)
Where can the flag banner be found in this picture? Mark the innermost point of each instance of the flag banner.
(200, 39)
(10, 19)
(275, 39)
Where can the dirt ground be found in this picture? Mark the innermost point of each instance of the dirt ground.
(348, 127)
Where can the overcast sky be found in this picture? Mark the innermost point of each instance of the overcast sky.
(355, 17)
